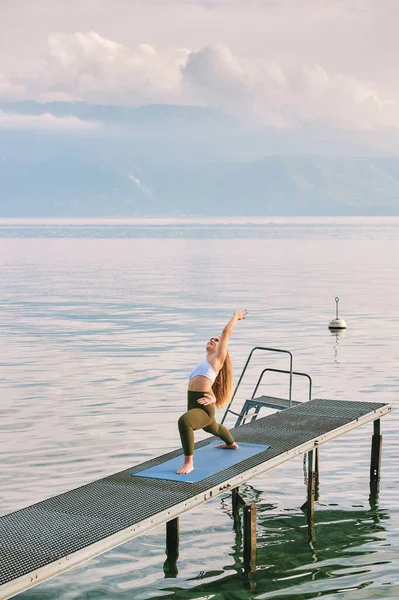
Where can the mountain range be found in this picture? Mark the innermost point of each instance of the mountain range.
(177, 160)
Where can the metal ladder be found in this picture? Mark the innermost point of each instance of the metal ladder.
(265, 401)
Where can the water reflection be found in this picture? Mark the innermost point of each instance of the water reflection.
(337, 334)
(346, 545)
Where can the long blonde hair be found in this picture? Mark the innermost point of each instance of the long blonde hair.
(223, 383)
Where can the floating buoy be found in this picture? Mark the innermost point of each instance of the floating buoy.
(337, 323)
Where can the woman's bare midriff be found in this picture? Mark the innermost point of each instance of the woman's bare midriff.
(200, 384)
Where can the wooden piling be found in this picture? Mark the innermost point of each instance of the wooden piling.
(250, 536)
(376, 452)
(311, 480)
(236, 501)
(249, 528)
(308, 506)
(172, 547)
(317, 475)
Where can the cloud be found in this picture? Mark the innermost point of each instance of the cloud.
(221, 79)
(46, 122)
(266, 91)
(90, 67)
(341, 101)
(288, 97)
(9, 89)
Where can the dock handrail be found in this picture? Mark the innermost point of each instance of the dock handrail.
(282, 371)
(245, 368)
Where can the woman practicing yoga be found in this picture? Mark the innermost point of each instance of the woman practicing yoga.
(209, 386)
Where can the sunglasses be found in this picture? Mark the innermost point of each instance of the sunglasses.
(214, 340)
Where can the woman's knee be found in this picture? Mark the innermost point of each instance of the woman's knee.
(184, 421)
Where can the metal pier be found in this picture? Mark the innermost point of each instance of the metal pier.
(48, 538)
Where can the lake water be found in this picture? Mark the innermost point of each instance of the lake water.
(100, 324)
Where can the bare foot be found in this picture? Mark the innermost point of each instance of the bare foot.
(185, 469)
(233, 446)
(188, 465)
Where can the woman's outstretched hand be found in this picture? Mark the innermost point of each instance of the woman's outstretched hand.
(207, 398)
(241, 314)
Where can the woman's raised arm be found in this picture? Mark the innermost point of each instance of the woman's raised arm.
(218, 358)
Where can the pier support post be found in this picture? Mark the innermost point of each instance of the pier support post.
(376, 446)
(236, 501)
(250, 537)
(375, 462)
(308, 506)
(317, 475)
(249, 529)
(172, 547)
(311, 493)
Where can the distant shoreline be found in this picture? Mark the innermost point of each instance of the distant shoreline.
(199, 220)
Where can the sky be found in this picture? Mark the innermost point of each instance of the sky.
(284, 64)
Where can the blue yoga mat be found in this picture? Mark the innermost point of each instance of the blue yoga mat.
(208, 460)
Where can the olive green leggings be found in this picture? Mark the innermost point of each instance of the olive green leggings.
(200, 417)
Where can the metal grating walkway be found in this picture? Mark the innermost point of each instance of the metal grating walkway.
(47, 538)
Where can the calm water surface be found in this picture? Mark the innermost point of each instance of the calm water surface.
(100, 324)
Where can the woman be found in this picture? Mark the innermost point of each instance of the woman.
(209, 386)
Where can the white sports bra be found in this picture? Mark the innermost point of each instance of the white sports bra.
(205, 369)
